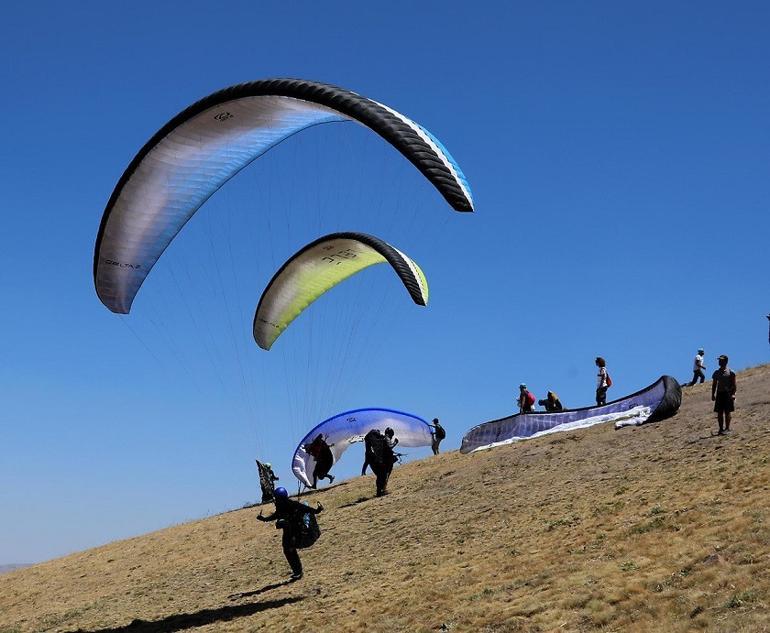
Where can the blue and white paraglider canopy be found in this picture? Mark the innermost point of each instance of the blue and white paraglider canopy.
(201, 148)
(350, 427)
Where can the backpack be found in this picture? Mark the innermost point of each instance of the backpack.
(440, 433)
(608, 380)
(308, 531)
(375, 445)
(530, 398)
(372, 436)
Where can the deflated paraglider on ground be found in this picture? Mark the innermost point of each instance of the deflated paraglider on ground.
(347, 428)
(659, 401)
(204, 146)
(320, 266)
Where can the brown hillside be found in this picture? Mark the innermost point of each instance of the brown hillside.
(658, 528)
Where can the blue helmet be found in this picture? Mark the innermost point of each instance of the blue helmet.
(281, 493)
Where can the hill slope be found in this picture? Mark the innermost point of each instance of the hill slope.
(663, 527)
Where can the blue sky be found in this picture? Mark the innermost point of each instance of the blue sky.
(619, 160)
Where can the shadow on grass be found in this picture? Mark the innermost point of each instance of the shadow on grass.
(702, 438)
(356, 502)
(182, 621)
(256, 592)
(309, 492)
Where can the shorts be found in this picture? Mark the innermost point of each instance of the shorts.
(724, 403)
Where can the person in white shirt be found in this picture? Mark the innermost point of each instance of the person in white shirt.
(698, 368)
(601, 382)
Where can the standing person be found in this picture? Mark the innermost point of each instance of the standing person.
(289, 515)
(526, 399)
(382, 459)
(267, 479)
(438, 434)
(698, 368)
(389, 458)
(372, 436)
(723, 388)
(603, 382)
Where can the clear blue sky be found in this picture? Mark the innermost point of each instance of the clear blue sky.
(619, 159)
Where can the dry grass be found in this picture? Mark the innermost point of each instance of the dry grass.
(660, 528)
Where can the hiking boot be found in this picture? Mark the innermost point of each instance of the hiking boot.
(331, 479)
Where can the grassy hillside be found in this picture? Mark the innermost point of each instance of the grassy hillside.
(663, 528)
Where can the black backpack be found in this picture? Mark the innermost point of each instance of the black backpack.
(375, 443)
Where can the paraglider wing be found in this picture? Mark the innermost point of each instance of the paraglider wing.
(265, 479)
(201, 148)
(659, 401)
(350, 427)
(320, 266)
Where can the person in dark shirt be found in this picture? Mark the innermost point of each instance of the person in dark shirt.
(551, 403)
(324, 460)
(382, 458)
(723, 388)
(438, 434)
(288, 515)
(372, 436)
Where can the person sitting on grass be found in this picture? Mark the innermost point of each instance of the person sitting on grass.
(526, 399)
(551, 403)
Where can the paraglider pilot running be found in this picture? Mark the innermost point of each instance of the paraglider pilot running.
(299, 526)
(324, 460)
